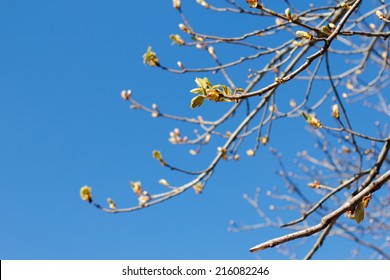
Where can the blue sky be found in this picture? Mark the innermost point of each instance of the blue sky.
(63, 65)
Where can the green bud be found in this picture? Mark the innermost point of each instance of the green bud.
(287, 12)
(304, 34)
(326, 30)
(157, 155)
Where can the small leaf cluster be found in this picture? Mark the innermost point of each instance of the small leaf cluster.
(86, 193)
(252, 3)
(312, 120)
(358, 213)
(150, 58)
(143, 196)
(206, 90)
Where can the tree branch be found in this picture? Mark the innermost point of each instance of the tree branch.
(325, 221)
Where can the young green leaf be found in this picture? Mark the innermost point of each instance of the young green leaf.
(197, 101)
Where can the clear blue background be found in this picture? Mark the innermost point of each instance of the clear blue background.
(63, 124)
